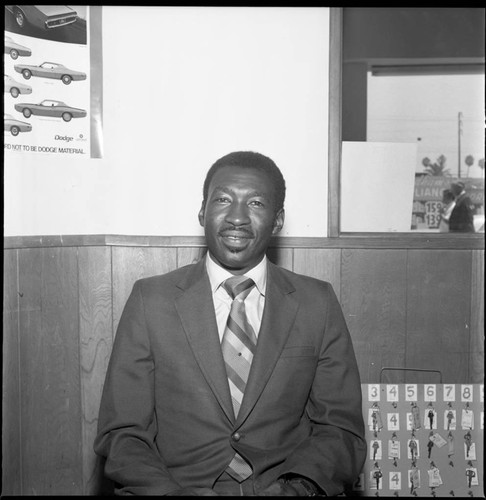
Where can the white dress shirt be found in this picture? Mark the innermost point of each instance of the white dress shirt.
(254, 303)
(444, 218)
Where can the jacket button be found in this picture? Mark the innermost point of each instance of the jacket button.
(236, 436)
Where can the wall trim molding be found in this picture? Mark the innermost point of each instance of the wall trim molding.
(374, 240)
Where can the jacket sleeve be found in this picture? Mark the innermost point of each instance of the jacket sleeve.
(127, 425)
(334, 454)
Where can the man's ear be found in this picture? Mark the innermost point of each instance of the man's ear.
(201, 214)
(278, 221)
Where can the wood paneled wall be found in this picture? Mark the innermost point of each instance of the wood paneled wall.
(405, 307)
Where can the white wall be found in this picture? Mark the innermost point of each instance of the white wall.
(182, 87)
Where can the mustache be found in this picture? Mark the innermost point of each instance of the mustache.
(230, 230)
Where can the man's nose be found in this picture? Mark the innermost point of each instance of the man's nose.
(238, 214)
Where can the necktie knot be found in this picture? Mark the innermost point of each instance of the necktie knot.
(238, 286)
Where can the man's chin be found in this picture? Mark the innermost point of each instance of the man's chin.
(233, 259)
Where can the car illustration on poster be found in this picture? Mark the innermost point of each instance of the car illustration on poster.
(15, 49)
(50, 70)
(50, 107)
(43, 16)
(15, 88)
(10, 124)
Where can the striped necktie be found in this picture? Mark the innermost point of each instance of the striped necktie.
(238, 346)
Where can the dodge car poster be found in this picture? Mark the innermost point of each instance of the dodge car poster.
(50, 79)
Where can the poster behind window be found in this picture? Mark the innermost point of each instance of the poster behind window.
(49, 80)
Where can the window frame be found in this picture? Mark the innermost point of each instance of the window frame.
(367, 239)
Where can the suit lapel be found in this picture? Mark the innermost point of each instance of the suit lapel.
(278, 318)
(196, 311)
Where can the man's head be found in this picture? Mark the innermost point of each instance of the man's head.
(250, 159)
(457, 188)
(447, 196)
(242, 208)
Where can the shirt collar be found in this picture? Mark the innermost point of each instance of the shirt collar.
(218, 274)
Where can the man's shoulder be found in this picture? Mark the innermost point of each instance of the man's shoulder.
(166, 280)
(302, 281)
(463, 198)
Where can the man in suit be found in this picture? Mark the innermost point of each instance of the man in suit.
(461, 219)
(174, 420)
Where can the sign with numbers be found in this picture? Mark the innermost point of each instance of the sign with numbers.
(373, 392)
(395, 480)
(432, 213)
(449, 393)
(393, 421)
(411, 392)
(392, 392)
(430, 391)
(439, 430)
(427, 198)
(466, 393)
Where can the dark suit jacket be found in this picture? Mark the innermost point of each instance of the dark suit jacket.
(166, 419)
(462, 215)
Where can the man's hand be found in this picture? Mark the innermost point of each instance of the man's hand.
(279, 488)
(193, 492)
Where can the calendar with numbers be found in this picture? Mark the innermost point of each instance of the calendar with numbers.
(423, 440)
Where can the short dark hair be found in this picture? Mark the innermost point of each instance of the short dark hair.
(250, 159)
(447, 193)
(457, 187)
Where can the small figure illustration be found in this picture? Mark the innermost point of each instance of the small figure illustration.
(415, 417)
(377, 423)
(434, 476)
(430, 445)
(374, 419)
(413, 448)
(468, 440)
(450, 418)
(450, 441)
(414, 479)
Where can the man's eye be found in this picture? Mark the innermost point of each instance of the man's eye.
(256, 203)
(222, 199)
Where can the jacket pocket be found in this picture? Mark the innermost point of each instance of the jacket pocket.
(298, 351)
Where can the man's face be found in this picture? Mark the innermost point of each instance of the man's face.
(239, 217)
(456, 189)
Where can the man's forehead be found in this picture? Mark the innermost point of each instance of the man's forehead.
(235, 188)
(234, 176)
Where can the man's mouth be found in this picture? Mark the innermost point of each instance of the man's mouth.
(236, 238)
(236, 235)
